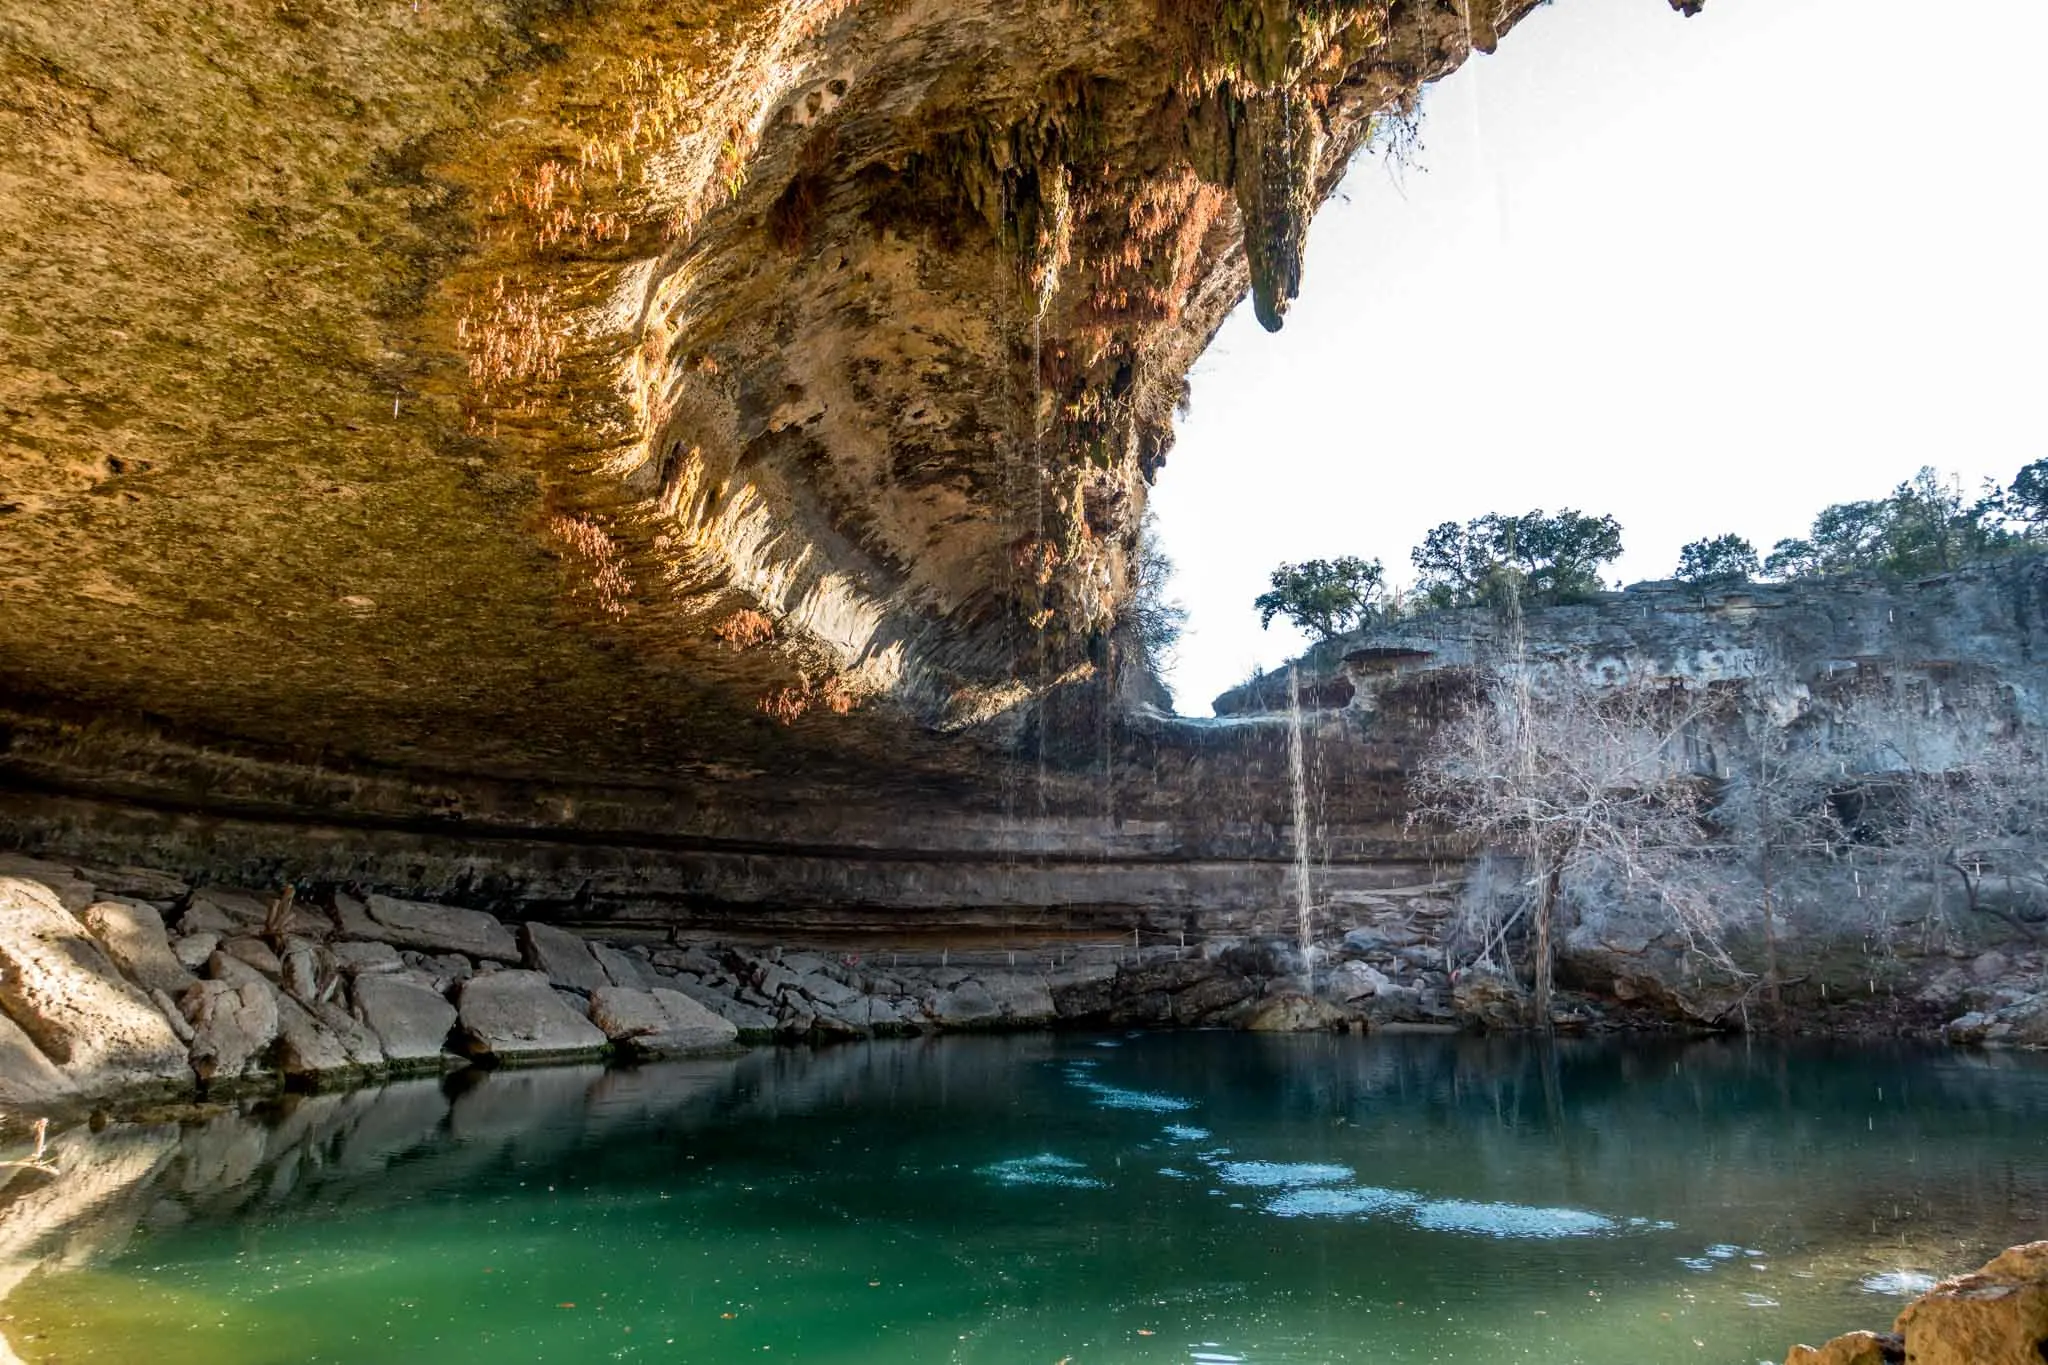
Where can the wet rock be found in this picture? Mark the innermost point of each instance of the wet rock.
(442, 929)
(1213, 1001)
(357, 958)
(658, 1023)
(517, 1016)
(2018, 1023)
(232, 1026)
(411, 1023)
(64, 993)
(193, 949)
(1857, 1348)
(133, 936)
(623, 969)
(1489, 999)
(1083, 991)
(256, 953)
(1147, 1010)
(1293, 1013)
(564, 958)
(1997, 1316)
(1163, 976)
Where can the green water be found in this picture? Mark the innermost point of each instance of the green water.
(1195, 1198)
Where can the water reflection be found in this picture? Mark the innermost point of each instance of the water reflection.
(1020, 1199)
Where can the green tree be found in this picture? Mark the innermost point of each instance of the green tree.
(1724, 559)
(1542, 559)
(1924, 527)
(2027, 499)
(1326, 596)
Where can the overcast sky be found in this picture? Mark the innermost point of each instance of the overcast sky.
(1707, 275)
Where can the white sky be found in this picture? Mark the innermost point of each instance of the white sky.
(1707, 275)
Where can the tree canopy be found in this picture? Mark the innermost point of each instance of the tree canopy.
(1724, 559)
(1925, 526)
(1325, 596)
(1542, 559)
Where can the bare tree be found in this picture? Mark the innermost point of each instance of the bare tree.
(1586, 781)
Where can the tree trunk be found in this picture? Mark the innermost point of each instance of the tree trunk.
(1546, 911)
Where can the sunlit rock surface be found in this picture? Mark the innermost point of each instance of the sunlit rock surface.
(679, 456)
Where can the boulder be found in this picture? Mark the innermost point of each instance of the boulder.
(517, 1016)
(307, 1049)
(623, 969)
(365, 1049)
(224, 911)
(563, 957)
(174, 1016)
(192, 950)
(63, 992)
(352, 920)
(965, 1006)
(29, 1081)
(72, 891)
(836, 994)
(1022, 999)
(133, 936)
(232, 1026)
(1214, 1000)
(304, 971)
(256, 953)
(1489, 999)
(441, 929)
(355, 958)
(1996, 1316)
(753, 1022)
(1857, 1348)
(137, 883)
(1348, 981)
(411, 1023)
(2018, 1023)
(1294, 1014)
(658, 1023)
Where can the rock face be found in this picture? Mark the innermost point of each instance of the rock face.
(1996, 1316)
(63, 992)
(785, 384)
(517, 1016)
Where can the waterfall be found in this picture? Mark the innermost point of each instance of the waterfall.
(1297, 771)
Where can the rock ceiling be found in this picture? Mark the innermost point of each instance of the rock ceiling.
(647, 389)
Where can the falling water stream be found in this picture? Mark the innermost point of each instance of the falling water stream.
(1297, 774)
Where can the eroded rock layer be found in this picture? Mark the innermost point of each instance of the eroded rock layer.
(660, 390)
